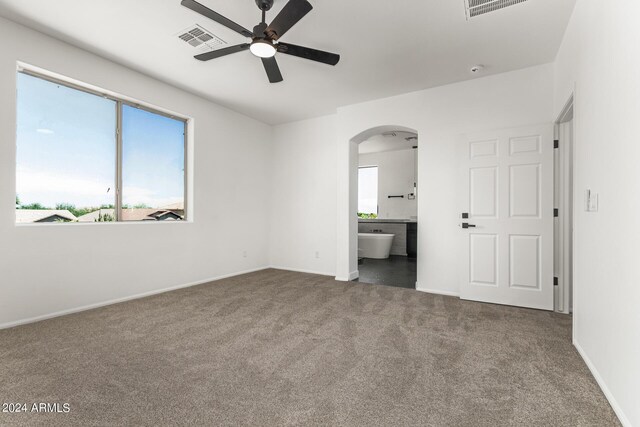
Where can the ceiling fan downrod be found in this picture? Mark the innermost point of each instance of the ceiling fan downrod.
(264, 6)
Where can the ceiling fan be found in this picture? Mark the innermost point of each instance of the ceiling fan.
(265, 38)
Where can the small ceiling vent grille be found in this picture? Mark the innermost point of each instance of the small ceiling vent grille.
(203, 40)
(480, 7)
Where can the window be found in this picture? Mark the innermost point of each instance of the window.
(88, 157)
(152, 166)
(368, 192)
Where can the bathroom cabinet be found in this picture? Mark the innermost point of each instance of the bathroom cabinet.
(412, 239)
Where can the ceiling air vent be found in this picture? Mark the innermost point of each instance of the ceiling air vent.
(203, 40)
(480, 7)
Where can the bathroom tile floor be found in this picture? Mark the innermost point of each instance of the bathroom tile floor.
(398, 271)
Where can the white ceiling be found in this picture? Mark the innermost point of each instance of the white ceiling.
(392, 141)
(387, 47)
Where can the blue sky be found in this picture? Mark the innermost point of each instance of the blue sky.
(152, 158)
(67, 150)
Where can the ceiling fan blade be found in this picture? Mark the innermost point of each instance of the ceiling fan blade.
(222, 52)
(289, 16)
(308, 53)
(272, 69)
(205, 11)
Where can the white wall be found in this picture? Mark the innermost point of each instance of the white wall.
(600, 59)
(55, 268)
(303, 202)
(439, 116)
(396, 175)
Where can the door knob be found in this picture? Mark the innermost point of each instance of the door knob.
(467, 225)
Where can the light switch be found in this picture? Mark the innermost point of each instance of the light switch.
(591, 201)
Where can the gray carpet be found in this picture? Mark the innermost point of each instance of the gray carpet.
(282, 348)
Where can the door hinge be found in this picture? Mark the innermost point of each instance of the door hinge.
(555, 281)
(556, 143)
(556, 213)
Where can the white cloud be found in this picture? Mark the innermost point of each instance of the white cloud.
(50, 189)
(136, 195)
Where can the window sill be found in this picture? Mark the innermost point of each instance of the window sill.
(100, 224)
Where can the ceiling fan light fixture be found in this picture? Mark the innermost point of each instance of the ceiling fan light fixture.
(263, 48)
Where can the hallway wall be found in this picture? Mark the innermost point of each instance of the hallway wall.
(599, 61)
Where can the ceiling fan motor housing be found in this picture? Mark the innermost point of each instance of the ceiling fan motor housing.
(264, 4)
(259, 30)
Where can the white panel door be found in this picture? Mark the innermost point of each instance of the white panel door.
(507, 205)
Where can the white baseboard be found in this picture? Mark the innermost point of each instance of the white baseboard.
(436, 291)
(352, 276)
(119, 300)
(299, 270)
(612, 401)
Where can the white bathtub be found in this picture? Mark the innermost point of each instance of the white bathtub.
(374, 245)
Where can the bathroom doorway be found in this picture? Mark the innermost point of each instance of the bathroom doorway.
(387, 208)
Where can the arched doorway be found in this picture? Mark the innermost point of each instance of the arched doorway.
(347, 253)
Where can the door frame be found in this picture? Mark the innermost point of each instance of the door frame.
(564, 199)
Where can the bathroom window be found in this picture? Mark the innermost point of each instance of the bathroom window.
(368, 192)
(85, 157)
